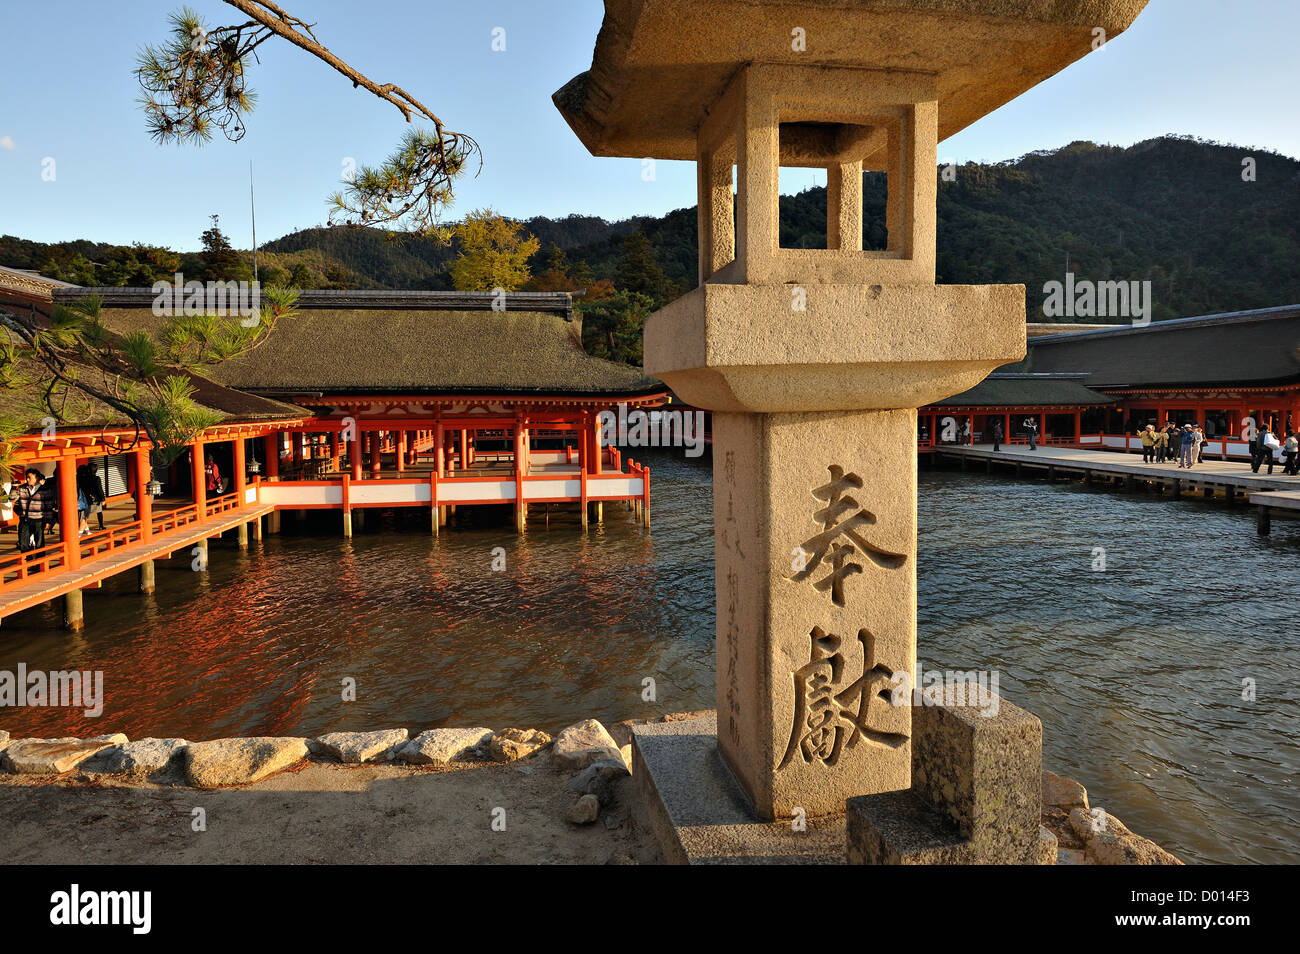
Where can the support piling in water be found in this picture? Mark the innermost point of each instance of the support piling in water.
(148, 577)
(73, 611)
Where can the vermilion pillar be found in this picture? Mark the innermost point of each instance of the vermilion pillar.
(69, 519)
(272, 442)
(197, 477)
(237, 450)
(399, 455)
(143, 502)
(376, 443)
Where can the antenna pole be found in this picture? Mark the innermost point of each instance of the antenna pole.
(253, 209)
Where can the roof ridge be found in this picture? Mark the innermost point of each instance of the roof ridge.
(551, 302)
(1171, 324)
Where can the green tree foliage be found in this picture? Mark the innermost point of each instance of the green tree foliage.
(219, 260)
(493, 253)
(196, 82)
(612, 326)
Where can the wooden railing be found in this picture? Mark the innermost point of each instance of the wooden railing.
(110, 539)
(218, 505)
(175, 519)
(15, 568)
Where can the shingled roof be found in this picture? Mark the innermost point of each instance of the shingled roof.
(1028, 390)
(1256, 348)
(409, 343)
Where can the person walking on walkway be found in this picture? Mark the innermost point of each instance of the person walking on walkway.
(1148, 435)
(30, 507)
(1031, 428)
(1199, 447)
(1291, 451)
(1186, 447)
(1261, 450)
(997, 434)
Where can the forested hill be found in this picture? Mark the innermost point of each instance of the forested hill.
(1175, 211)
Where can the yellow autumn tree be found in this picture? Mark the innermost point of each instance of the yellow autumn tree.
(494, 253)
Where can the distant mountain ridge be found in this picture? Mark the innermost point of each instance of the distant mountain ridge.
(1174, 211)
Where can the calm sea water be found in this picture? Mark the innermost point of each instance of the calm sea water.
(1136, 671)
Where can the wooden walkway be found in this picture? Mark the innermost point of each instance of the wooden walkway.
(46, 586)
(1212, 473)
(1277, 491)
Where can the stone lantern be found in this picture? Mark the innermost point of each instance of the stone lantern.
(813, 361)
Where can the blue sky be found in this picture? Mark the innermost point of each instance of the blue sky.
(1219, 69)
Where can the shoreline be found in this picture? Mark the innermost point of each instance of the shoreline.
(567, 799)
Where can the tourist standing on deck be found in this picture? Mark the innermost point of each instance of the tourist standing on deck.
(30, 507)
(50, 501)
(1291, 452)
(1162, 445)
(1186, 447)
(1031, 428)
(1198, 449)
(90, 486)
(1148, 435)
(997, 434)
(212, 477)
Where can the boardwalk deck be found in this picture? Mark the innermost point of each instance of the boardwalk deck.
(1217, 474)
(46, 586)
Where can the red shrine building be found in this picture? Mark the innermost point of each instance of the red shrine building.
(432, 401)
(446, 403)
(1097, 387)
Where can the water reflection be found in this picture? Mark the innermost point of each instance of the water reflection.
(1136, 671)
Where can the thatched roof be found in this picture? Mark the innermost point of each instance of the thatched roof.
(409, 343)
(24, 401)
(1244, 348)
(1028, 390)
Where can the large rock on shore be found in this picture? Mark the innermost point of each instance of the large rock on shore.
(240, 761)
(1108, 842)
(511, 744)
(584, 811)
(54, 756)
(439, 746)
(141, 757)
(353, 748)
(1064, 793)
(599, 779)
(584, 743)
